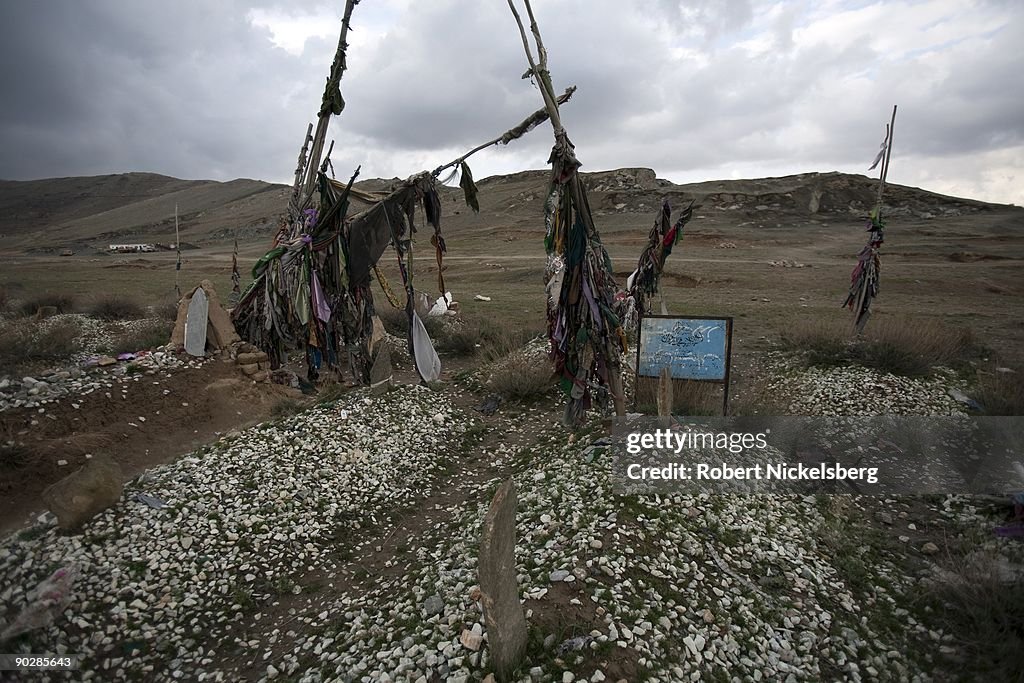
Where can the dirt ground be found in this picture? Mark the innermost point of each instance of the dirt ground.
(754, 251)
(139, 428)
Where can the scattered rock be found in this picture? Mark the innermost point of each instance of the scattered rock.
(471, 640)
(433, 605)
(84, 493)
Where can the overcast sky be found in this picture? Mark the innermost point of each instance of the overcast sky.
(697, 90)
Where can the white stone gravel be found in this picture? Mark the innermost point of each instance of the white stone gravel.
(79, 376)
(163, 591)
(694, 587)
(856, 390)
(655, 585)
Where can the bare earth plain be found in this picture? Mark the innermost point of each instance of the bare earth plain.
(329, 585)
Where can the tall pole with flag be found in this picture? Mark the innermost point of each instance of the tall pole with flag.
(865, 277)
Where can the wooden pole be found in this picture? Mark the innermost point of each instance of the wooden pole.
(177, 249)
(324, 118)
(300, 171)
(885, 161)
(539, 69)
(664, 397)
(540, 115)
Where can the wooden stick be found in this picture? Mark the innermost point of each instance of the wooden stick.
(881, 169)
(885, 162)
(544, 76)
(562, 99)
(664, 397)
(324, 118)
(300, 168)
(538, 71)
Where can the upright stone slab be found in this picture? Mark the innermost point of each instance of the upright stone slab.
(499, 591)
(381, 369)
(664, 398)
(195, 324)
(377, 335)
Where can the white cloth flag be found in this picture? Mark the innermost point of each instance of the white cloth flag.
(881, 153)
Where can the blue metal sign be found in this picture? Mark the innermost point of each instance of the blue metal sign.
(692, 348)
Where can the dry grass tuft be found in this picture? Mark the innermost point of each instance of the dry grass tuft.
(331, 391)
(522, 377)
(144, 337)
(64, 303)
(983, 607)
(166, 310)
(287, 407)
(910, 348)
(689, 398)
(25, 344)
(499, 339)
(1001, 393)
(113, 307)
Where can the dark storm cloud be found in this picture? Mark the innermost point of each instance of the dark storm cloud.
(692, 89)
(187, 89)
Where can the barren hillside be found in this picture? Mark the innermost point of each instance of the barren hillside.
(80, 213)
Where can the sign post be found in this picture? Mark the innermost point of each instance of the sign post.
(692, 348)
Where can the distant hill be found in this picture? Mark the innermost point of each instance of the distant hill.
(94, 211)
(132, 207)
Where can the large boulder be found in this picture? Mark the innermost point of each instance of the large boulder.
(85, 493)
(499, 590)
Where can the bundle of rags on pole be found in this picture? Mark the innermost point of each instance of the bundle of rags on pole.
(865, 277)
(643, 283)
(311, 291)
(586, 335)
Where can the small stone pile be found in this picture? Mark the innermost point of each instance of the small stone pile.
(253, 363)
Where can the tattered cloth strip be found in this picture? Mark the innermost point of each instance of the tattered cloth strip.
(468, 187)
(333, 102)
(312, 291)
(585, 333)
(370, 233)
(299, 285)
(538, 117)
(663, 237)
(865, 277)
(389, 293)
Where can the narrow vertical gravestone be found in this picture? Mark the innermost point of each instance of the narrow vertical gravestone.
(664, 397)
(499, 591)
(196, 321)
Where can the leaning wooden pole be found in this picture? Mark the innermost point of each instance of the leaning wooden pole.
(883, 175)
(300, 174)
(586, 337)
(864, 281)
(332, 104)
